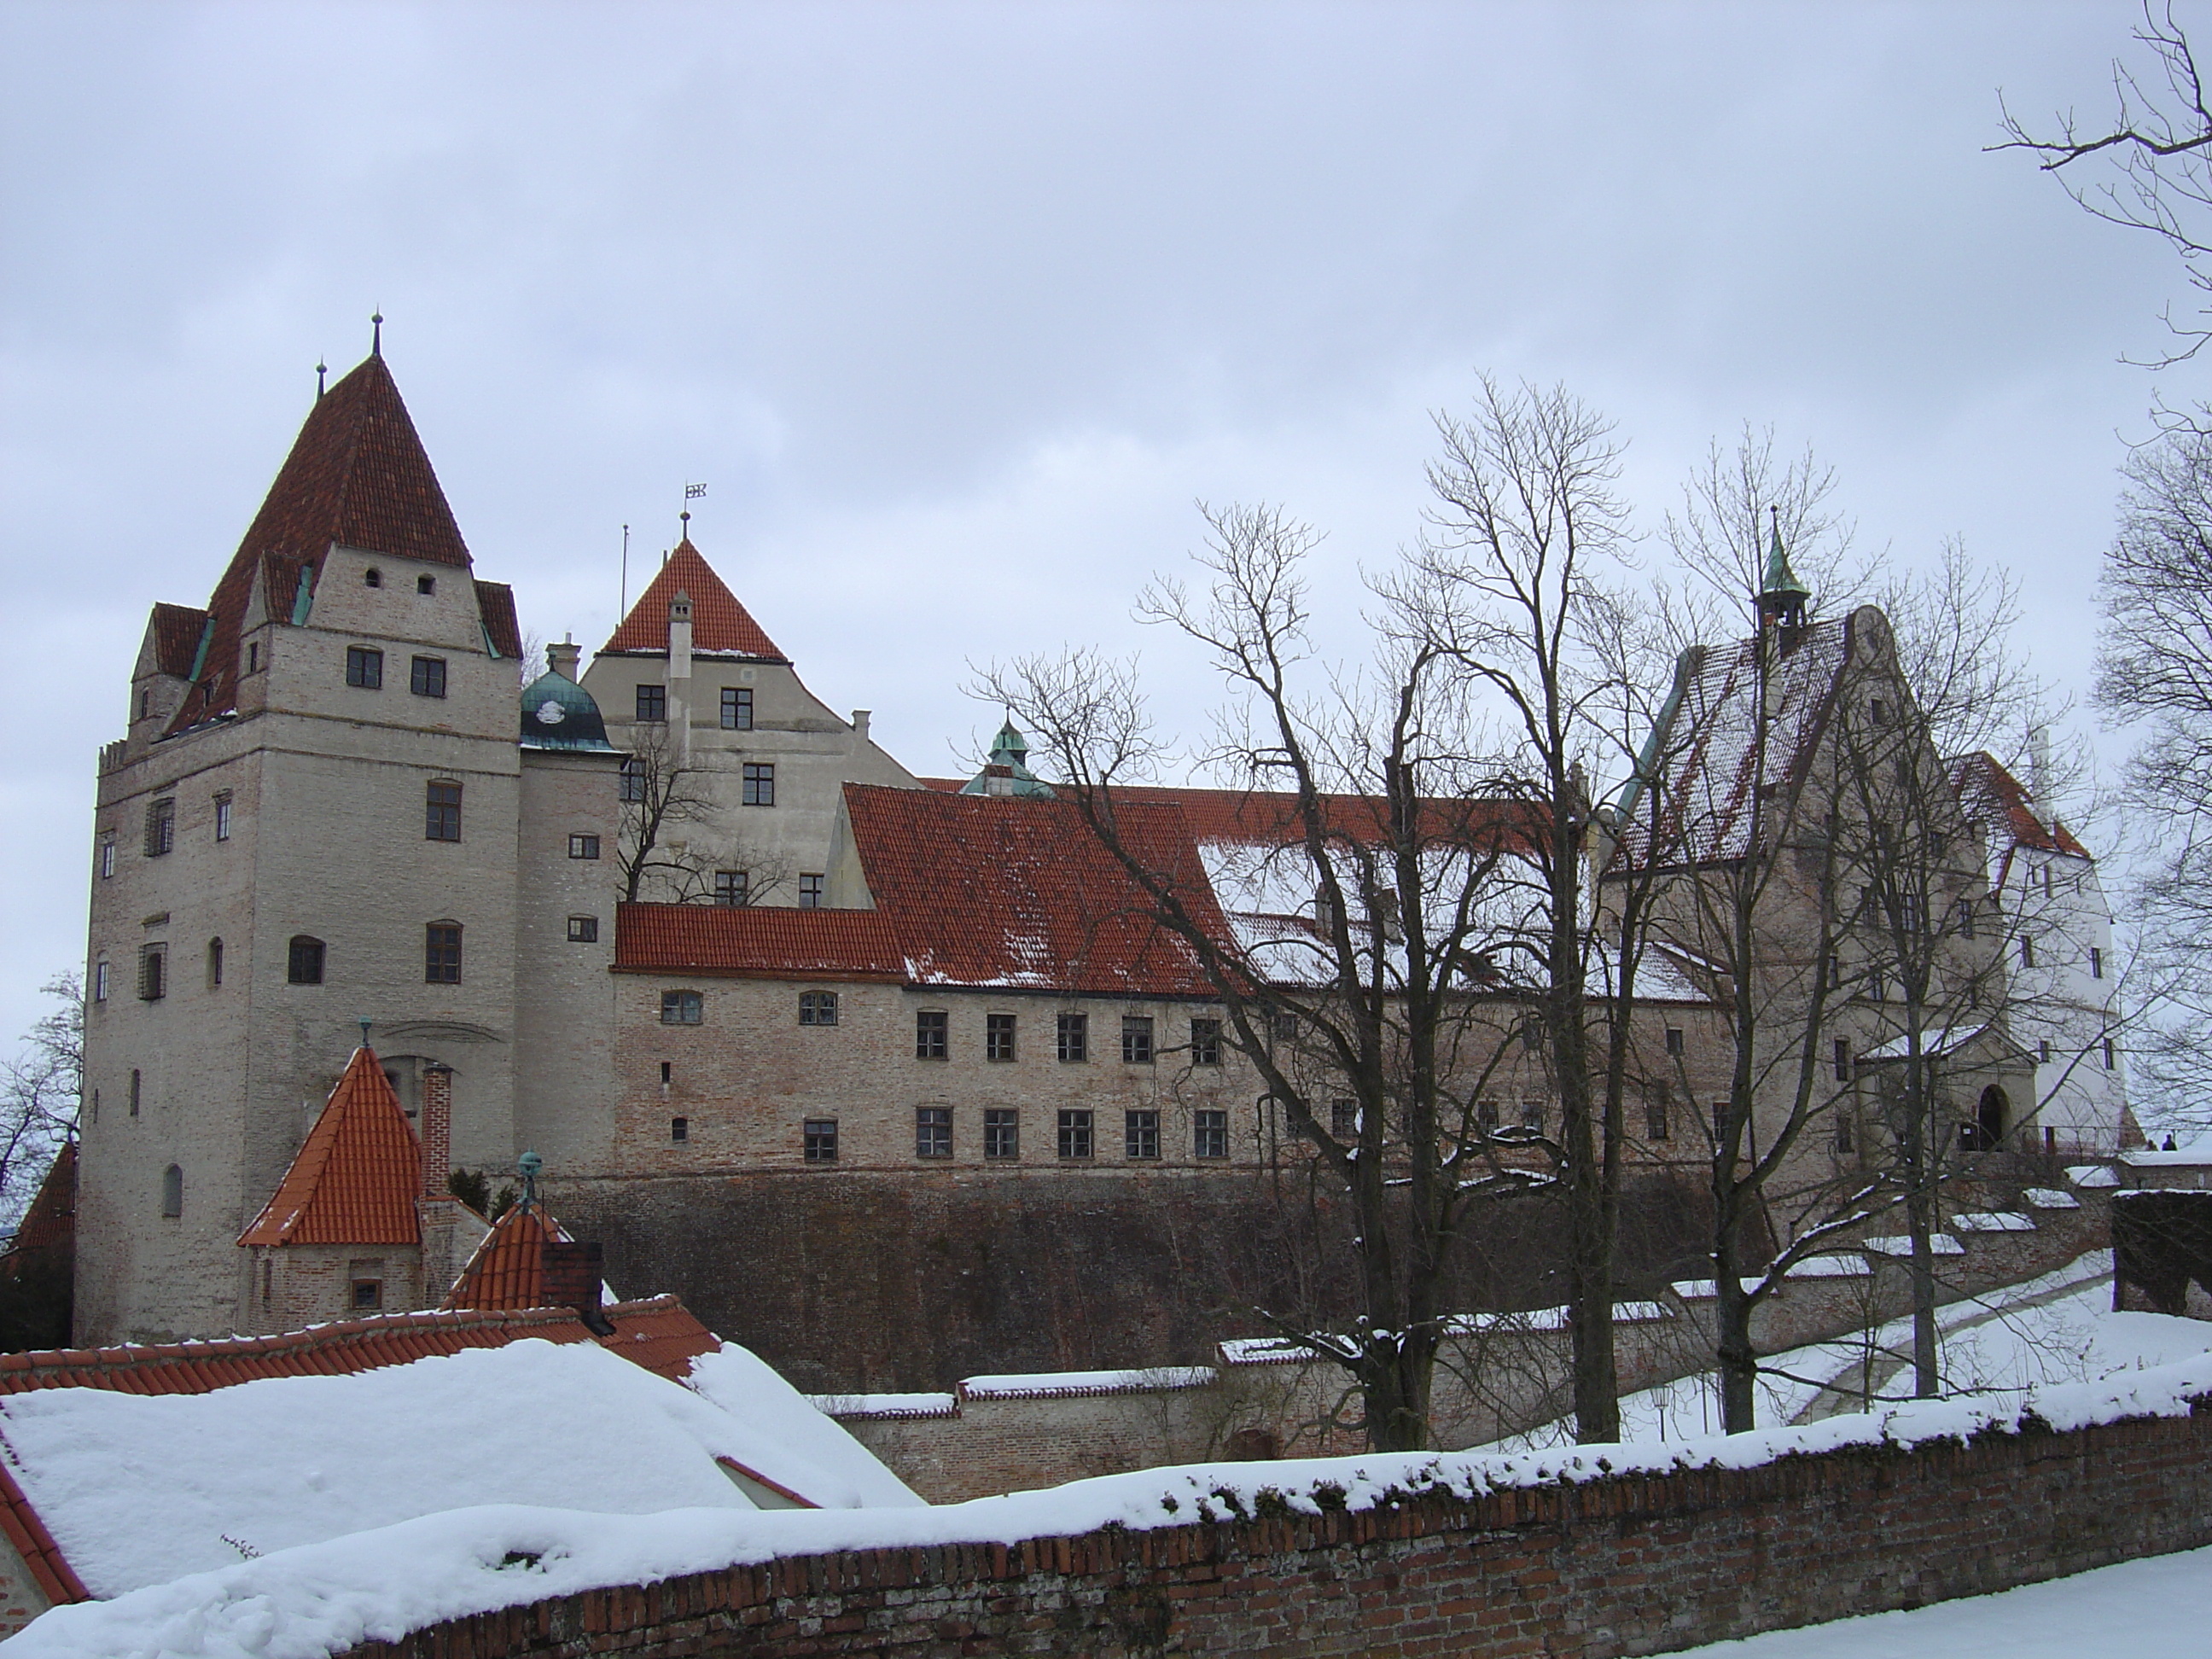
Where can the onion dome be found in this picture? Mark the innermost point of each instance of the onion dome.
(559, 714)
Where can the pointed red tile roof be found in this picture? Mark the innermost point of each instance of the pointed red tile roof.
(1987, 789)
(178, 630)
(509, 1267)
(357, 476)
(719, 622)
(52, 1218)
(355, 1179)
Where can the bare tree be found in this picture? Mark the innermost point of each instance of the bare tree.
(2155, 151)
(672, 845)
(40, 1090)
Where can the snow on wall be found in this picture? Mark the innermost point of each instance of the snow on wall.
(320, 1598)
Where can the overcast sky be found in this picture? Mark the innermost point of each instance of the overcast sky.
(956, 309)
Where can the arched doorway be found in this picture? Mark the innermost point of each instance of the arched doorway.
(1991, 1114)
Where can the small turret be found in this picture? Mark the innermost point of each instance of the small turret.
(1007, 772)
(1782, 597)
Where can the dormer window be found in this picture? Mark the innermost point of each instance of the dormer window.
(426, 584)
(372, 577)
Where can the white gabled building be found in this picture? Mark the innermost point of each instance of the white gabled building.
(2063, 1004)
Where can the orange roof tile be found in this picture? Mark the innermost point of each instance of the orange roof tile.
(507, 1269)
(52, 1218)
(1986, 789)
(357, 1174)
(758, 941)
(496, 605)
(719, 622)
(357, 476)
(177, 632)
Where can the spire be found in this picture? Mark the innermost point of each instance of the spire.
(1780, 593)
(355, 1178)
(376, 333)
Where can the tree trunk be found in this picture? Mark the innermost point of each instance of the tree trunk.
(1738, 1360)
(1918, 1205)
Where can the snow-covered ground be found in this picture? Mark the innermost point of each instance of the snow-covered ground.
(2057, 1328)
(2160, 1609)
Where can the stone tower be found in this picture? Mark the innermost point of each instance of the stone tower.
(312, 820)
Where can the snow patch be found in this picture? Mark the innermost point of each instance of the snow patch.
(2050, 1198)
(1900, 1244)
(1995, 1221)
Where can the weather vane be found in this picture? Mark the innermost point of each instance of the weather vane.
(691, 493)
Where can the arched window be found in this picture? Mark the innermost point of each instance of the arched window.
(373, 577)
(214, 965)
(172, 1191)
(304, 962)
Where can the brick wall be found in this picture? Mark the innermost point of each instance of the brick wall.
(1633, 1565)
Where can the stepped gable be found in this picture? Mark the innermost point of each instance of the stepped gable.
(719, 622)
(1000, 890)
(355, 1177)
(357, 476)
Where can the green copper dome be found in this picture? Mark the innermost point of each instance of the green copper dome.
(1781, 591)
(1007, 773)
(559, 714)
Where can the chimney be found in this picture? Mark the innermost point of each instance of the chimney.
(2038, 768)
(573, 1274)
(679, 675)
(435, 1204)
(562, 659)
(860, 726)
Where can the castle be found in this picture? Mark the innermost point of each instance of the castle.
(775, 1012)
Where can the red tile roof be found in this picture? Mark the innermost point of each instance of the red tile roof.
(357, 476)
(356, 1176)
(41, 1555)
(52, 1218)
(719, 622)
(987, 889)
(1988, 791)
(759, 941)
(507, 1269)
(177, 631)
(496, 604)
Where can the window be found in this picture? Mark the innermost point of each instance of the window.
(818, 1007)
(583, 846)
(737, 708)
(680, 1129)
(652, 702)
(137, 1089)
(1878, 712)
(933, 1131)
(1206, 1042)
(1002, 1135)
(633, 779)
(368, 1295)
(1674, 1039)
(2043, 1051)
(1655, 1114)
(153, 972)
(1532, 1115)
(364, 668)
(1913, 912)
(1835, 973)
(1209, 1133)
(667, 1075)
(172, 1191)
(1873, 986)
(1720, 1119)
(303, 963)
(1074, 1037)
(426, 584)
(929, 1035)
(145, 704)
(2096, 962)
(759, 783)
(1963, 910)
(441, 812)
(731, 887)
(583, 930)
(223, 816)
(100, 981)
(1486, 1114)
(441, 953)
(372, 577)
(160, 828)
(1136, 1039)
(2111, 1056)
(1141, 1134)
(810, 892)
(1343, 1119)
(2027, 950)
(1287, 1025)
(253, 666)
(821, 1141)
(426, 677)
(107, 855)
(214, 965)
(1075, 1133)
(998, 1036)
(679, 1008)
(1843, 1137)
(1841, 1058)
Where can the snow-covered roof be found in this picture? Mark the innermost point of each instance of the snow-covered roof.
(1934, 1044)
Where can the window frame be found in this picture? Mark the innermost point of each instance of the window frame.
(425, 677)
(316, 955)
(1209, 1132)
(1141, 1134)
(106, 863)
(1001, 1035)
(162, 827)
(154, 971)
(583, 930)
(215, 962)
(442, 819)
(222, 804)
(1206, 1042)
(631, 781)
(818, 1140)
(1137, 1044)
(933, 1131)
(1072, 1039)
(733, 889)
(1344, 1118)
(679, 1131)
(651, 704)
(1002, 1135)
(689, 1007)
(737, 708)
(364, 669)
(817, 1008)
(100, 981)
(933, 1034)
(1077, 1134)
(173, 1193)
(441, 953)
(756, 783)
(810, 890)
(582, 846)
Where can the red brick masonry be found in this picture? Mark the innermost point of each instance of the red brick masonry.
(1635, 1566)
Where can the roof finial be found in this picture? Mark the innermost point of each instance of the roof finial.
(321, 369)
(1780, 593)
(376, 335)
(527, 1167)
(691, 493)
(364, 1034)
